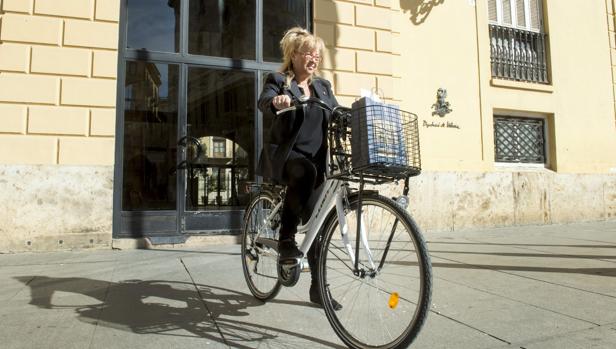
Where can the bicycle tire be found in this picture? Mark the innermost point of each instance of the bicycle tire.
(260, 263)
(357, 323)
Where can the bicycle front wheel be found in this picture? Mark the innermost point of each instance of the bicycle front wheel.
(386, 299)
(259, 259)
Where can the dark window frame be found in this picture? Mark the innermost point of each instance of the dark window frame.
(184, 60)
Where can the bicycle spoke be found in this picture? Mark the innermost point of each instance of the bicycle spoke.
(341, 261)
(346, 253)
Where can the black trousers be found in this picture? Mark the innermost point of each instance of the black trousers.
(301, 173)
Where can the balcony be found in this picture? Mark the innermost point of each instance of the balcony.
(518, 55)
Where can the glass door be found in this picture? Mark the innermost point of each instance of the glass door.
(220, 137)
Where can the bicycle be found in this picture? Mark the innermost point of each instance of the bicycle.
(372, 257)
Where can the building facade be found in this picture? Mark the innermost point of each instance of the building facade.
(122, 120)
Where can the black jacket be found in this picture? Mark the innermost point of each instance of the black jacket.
(284, 129)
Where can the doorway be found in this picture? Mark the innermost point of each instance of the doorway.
(188, 132)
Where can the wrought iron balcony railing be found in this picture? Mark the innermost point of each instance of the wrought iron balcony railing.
(518, 54)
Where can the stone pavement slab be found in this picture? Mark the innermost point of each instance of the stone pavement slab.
(45, 298)
(516, 287)
(603, 337)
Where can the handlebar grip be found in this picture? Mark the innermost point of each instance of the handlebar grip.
(293, 107)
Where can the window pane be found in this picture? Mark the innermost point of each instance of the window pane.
(535, 15)
(154, 25)
(221, 115)
(223, 28)
(492, 16)
(520, 13)
(150, 136)
(507, 12)
(278, 16)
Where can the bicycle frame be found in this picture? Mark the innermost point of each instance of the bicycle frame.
(334, 194)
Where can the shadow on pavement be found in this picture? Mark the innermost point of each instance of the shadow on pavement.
(530, 255)
(541, 258)
(165, 308)
(517, 244)
(589, 271)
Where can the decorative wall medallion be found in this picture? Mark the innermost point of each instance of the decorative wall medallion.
(441, 107)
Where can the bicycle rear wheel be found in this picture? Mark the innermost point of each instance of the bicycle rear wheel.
(259, 260)
(386, 302)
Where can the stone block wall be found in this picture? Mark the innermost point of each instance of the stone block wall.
(58, 63)
(611, 25)
(47, 208)
(361, 39)
(450, 201)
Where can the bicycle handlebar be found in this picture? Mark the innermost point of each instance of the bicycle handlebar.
(313, 100)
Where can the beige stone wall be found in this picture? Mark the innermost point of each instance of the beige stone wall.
(579, 105)
(611, 25)
(48, 207)
(449, 201)
(58, 62)
(409, 49)
(425, 45)
(362, 39)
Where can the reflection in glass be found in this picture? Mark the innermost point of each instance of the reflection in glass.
(150, 133)
(222, 28)
(278, 16)
(154, 25)
(221, 116)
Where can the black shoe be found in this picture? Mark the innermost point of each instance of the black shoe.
(316, 298)
(287, 249)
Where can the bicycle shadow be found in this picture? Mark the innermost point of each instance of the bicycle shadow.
(165, 308)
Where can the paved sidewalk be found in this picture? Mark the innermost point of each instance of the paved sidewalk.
(522, 287)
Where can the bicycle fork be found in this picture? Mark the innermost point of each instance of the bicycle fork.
(344, 231)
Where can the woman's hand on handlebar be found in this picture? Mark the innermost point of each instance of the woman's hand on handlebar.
(281, 102)
(294, 104)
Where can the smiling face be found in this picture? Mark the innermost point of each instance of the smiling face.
(306, 61)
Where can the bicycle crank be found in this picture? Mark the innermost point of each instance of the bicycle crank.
(289, 271)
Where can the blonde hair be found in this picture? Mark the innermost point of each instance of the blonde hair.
(293, 40)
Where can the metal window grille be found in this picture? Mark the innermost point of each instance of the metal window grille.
(520, 140)
(518, 54)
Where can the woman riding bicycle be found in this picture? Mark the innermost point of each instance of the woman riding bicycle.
(295, 153)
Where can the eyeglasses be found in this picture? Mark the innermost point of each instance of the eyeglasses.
(311, 56)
